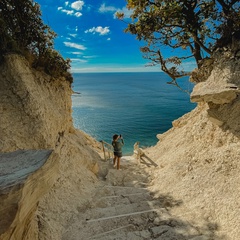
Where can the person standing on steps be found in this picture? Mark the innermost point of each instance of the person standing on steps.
(117, 144)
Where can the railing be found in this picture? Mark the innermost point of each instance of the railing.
(107, 150)
(138, 154)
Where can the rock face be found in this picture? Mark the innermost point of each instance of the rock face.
(29, 102)
(25, 176)
(196, 163)
(223, 84)
(35, 119)
(221, 92)
(199, 166)
(199, 157)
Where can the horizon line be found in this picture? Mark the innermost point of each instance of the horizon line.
(120, 72)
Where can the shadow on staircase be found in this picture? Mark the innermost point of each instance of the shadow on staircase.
(124, 208)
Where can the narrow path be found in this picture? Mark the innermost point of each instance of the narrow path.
(124, 208)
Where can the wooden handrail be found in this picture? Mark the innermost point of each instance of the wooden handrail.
(108, 144)
(107, 148)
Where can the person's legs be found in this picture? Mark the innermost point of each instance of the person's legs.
(114, 160)
(118, 163)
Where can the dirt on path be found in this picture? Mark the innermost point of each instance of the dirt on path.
(123, 207)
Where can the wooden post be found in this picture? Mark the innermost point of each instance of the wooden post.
(107, 149)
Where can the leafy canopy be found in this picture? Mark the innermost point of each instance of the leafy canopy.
(197, 27)
(22, 31)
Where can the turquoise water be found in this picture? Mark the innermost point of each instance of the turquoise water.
(137, 105)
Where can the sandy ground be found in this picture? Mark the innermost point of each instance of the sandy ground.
(124, 207)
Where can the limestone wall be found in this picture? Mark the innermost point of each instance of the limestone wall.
(35, 116)
(199, 158)
(35, 110)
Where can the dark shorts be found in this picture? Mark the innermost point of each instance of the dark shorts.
(118, 154)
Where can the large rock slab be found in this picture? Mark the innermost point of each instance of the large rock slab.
(25, 176)
(222, 86)
(17, 166)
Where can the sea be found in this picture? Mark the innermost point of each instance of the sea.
(137, 105)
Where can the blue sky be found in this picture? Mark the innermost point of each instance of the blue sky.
(91, 36)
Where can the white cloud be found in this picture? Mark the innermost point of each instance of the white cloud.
(114, 10)
(77, 5)
(127, 13)
(74, 45)
(105, 8)
(76, 53)
(108, 39)
(68, 12)
(99, 29)
(73, 9)
(78, 14)
(88, 57)
(72, 35)
(78, 60)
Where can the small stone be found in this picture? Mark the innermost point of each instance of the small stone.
(160, 230)
(157, 221)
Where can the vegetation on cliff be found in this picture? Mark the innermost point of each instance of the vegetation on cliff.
(196, 27)
(22, 31)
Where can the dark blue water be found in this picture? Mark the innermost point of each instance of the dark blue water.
(137, 105)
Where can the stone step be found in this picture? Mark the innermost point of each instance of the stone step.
(118, 190)
(136, 227)
(122, 234)
(107, 201)
(128, 212)
(136, 221)
(163, 232)
(122, 209)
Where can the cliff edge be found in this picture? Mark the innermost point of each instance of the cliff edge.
(41, 152)
(196, 163)
(199, 158)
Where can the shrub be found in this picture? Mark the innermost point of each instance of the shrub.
(22, 31)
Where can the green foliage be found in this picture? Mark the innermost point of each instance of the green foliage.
(197, 27)
(22, 31)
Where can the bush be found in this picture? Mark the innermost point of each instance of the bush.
(22, 31)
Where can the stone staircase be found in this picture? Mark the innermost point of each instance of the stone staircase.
(124, 213)
(119, 212)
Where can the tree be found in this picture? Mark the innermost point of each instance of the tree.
(197, 27)
(22, 31)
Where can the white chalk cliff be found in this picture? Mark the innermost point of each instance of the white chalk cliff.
(199, 158)
(54, 167)
(40, 150)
